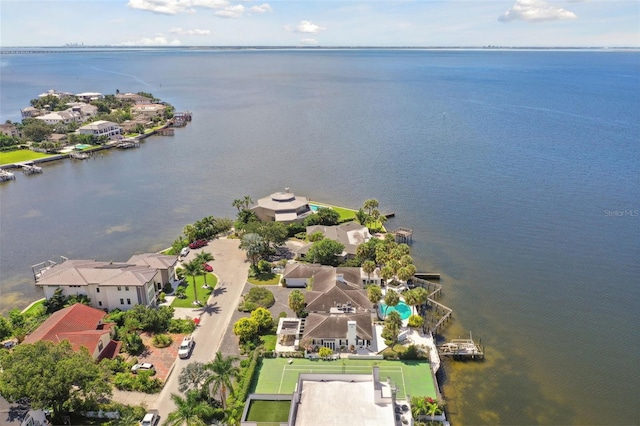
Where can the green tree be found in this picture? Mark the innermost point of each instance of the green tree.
(246, 329)
(411, 299)
(193, 377)
(263, 318)
(273, 233)
(204, 257)
(52, 375)
(392, 324)
(194, 269)
(374, 293)
(5, 328)
(386, 273)
(36, 130)
(415, 321)
(56, 301)
(223, 372)
(391, 299)
(132, 343)
(325, 252)
(325, 352)
(362, 217)
(316, 236)
(297, 302)
(254, 246)
(190, 411)
(327, 216)
(369, 266)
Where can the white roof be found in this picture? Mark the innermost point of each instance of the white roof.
(341, 403)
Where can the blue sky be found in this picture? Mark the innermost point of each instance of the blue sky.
(320, 23)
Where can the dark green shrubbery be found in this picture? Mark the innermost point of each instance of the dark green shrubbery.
(162, 340)
(141, 382)
(257, 297)
(182, 326)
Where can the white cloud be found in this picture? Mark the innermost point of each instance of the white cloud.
(535, 11)
(157, 40)
(307, 27)
(309, 41)
(178, 30)
(172, 7)
(263, 8)
(231, 11)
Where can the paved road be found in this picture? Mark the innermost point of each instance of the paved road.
(231, 268)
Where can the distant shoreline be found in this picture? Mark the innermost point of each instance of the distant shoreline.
(89, 49)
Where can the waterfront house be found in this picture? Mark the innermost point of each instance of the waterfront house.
(165, 265)
(60, 117)
(30, 112)
(101, 128)
(9, 129)
(148, 110)
(82, 326)
(86, 111)
(283, 207)
(108, 285)
(89, 96)
(340, 313)
(349, 234)
(134, 98)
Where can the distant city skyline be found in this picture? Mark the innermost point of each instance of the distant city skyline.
(423, 23)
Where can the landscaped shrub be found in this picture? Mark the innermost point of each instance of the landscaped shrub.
(115, 365)
(132, 344)
(415, 321)
(162, 340)
(162, 297)
(282, 314)
(141, 382)
(257, 297)
(247, 378)
(182, 326)
(413, 352)
(264, 267)
(168, 288)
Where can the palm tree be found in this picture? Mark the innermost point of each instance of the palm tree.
(368, 266)
(204, 257)
(194, 269)
(189, 411)
(223, 372)
(391, 299)
(411, 299)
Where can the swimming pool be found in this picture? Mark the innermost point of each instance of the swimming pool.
(82, 146)
(402, 308)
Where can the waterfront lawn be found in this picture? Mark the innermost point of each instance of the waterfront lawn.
(265, 279)
(345, 214)
(263, 411)
(20, 155)
(414, 378)
(203, 293)
(32, 310)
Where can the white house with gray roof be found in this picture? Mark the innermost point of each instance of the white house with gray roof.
(109, 285)
(101, 128)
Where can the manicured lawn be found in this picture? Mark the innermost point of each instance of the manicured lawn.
(276, 375)
(20, 155)
(268, 411)
(269, 342)
(203, 294)
(345, 214)
(35, 306)
(265, 279)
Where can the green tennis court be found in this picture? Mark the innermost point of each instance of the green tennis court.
(276, 375)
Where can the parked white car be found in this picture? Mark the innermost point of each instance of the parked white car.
(150, 419)
(184, 351)
(184, 252)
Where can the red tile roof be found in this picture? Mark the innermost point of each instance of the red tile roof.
(79, 324)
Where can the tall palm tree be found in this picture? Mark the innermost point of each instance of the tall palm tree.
(369, 266)
(194, 269)
(411, 299)
(204, 257)
(390, 299)
(223, 372)
(189, 411)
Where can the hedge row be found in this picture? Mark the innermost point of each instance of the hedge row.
(243, 392)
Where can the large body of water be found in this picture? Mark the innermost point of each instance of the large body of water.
(519, 172)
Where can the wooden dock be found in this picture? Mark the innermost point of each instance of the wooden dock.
(403, 235)
(128, 144)
(79, 155)
(462, 349)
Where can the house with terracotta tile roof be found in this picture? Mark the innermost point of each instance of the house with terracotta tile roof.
(81, 325)
(109, 285)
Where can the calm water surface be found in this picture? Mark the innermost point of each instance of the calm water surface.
(511, 167)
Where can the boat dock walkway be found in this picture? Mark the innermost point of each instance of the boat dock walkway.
(462, 349)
